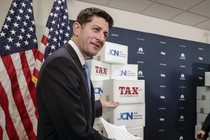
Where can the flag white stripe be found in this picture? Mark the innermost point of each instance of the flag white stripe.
(21, 79)
(14, 114)
(3, 124)
(30, 60)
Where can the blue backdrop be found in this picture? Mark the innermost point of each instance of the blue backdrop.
(172, 69)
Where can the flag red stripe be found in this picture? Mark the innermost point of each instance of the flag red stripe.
(44, 40)
(36, 73)
(27, 73)
(18, 97)
(40, 56)
(1, 133)
(11, 132)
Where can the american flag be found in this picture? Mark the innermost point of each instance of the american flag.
(56, 35)
(18, 45)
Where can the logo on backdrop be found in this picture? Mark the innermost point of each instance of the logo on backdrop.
(182, 98)
(163, 64)
(200, 58)
(162, 75)
(200, 49)
(200, 78)
(181, 138)
(182, 77)
(129, 91)
(130, 116)
(162, 119)
(140, 74)
(182, 56)
(163, 53)
(182, 46)
(182, 66)
(181, 118)
(140, 51)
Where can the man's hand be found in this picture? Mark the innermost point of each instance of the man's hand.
(106, 104)
(200, 134)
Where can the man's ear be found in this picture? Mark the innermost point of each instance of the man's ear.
(76, 28)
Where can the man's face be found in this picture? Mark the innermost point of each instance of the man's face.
(92, 35)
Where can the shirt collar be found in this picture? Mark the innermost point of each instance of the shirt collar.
(79, 54)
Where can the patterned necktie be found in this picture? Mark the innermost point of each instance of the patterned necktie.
(87, 71)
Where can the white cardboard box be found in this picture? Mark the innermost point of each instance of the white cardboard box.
(207, 78)
(113, 53)
(203, 106)
(125, 92)
(124, 71)
(203, 93)
(99, 70)
(136, 131)
(130, 115)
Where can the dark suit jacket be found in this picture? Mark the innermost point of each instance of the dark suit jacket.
(206, 126)
(65, 110)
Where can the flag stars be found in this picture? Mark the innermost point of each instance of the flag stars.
(67, 34)
(32, 22)
(16, 25)
(12, 11)
(14, 4)
(31, 29)
(28, 35)
(27, 17)
(26, 42)
(35, 41)
(17, 44)
(29, 10)
(55, 15)
(20, 37)
(9, 39)
(56, 32)
(7, 47)
(52, 47)
(9, 18)
(13, 32)
(21, 11)
(55, 39)
(61, 31)
(23, 4)
(57, 8)
(62, 24)
(6, 26)
(25, 23)
(22, 30)
(18, 17)
(2, 34)
(53, 22)
(64, 17)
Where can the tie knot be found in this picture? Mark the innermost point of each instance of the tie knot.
(86, 65)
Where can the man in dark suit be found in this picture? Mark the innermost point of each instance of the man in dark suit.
(203, 133)
(66, 108)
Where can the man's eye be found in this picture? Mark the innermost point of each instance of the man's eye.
(95, 29)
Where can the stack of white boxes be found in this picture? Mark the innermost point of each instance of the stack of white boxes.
(203, 103)
(118, 81)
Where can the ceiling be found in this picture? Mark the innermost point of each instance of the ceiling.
(195, 13)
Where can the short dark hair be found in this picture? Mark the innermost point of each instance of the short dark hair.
(86, 15)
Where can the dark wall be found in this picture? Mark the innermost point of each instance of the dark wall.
(172, 69)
